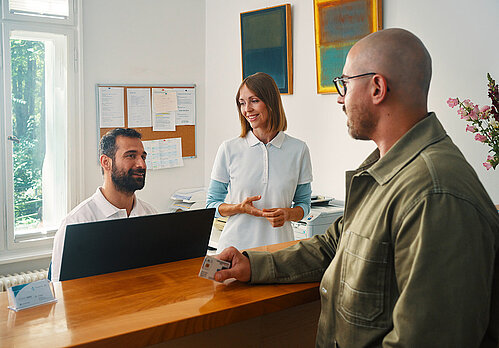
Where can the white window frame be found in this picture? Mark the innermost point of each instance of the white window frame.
(71, 20)
(39, 244)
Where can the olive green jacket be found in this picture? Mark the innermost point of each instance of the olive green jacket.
(413, 261)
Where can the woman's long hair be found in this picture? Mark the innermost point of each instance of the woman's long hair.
(265, 88)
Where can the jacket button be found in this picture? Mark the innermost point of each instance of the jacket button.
(324, 290)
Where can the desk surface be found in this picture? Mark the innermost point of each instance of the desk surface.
(144, 306)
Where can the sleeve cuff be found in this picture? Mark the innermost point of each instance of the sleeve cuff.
(217, 213)
(305, 207)
(262, 267)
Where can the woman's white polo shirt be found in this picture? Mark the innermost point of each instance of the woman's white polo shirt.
(252, 168)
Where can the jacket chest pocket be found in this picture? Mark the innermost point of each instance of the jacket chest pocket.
(363, 277)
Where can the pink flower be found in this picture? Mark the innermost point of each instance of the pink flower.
(471, 129)
(474, 113)
(482, 121)
(463, 113)
(452, 102)
(488, 164)
(480, 137)
(468, 103)
(485, 108)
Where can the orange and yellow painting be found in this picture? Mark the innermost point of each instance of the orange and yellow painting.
(339, 24)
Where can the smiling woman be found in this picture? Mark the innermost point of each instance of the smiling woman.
(266, 172)
(255, 112)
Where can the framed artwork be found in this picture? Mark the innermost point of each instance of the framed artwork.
(266, 45)
(339, 24)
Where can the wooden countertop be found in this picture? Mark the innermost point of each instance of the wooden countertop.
(144, 306)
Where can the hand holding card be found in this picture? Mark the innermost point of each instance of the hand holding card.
(212, 265)
(240, 267)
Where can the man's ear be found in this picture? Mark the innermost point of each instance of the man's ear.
(379, 89)
(106, 162)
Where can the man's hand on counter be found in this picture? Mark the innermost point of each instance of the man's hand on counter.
(240, 269)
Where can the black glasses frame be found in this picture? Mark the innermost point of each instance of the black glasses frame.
(341, 87)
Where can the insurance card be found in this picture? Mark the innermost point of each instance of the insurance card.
(212, 265)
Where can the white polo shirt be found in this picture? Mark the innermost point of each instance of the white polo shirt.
(94, 208)
(252, 168)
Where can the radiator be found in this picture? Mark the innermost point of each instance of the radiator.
(21, 278)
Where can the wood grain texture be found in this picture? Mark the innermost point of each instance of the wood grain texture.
(147, 306)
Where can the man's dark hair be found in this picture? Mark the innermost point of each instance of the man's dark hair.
(108, 142)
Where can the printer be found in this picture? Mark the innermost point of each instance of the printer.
(322, 214)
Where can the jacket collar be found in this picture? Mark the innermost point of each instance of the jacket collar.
(252, 140)
(424, 133)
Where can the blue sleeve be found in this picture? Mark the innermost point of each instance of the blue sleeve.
(302, 197)
(49, 275)
(216, 195)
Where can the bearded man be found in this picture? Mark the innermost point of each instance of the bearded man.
(123, 164)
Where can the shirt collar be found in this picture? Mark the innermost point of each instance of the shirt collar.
(424, 133)
(106, 207)
(252, 140)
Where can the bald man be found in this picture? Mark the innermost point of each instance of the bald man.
(413, 262)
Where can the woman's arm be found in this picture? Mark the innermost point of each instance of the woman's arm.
(216, 196)
(278, 216)
(303, 198)
(217, 191)
(245, 207)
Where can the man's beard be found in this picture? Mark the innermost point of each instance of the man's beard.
(362, 126)
(125, 182)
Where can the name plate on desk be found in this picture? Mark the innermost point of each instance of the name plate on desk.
(30, 294)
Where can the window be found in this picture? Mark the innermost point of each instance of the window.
(42, 8)
(39, 99)
(46, 11)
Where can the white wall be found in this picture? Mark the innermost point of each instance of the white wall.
(144, 42)
(460, 35)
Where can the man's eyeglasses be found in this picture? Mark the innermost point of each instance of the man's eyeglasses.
(341, 87)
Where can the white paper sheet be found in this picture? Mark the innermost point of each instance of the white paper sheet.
(186, 103)
(111, 107)
(164, 100)
(139, 107)
(163, 153)
(163, 122)
(171, 152)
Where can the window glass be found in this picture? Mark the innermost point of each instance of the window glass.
(39, 112)
(43, 8)
(28, 120)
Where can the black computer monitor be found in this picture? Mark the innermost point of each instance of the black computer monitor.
(115, 245)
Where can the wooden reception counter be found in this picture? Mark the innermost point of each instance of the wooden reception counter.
(166, 305)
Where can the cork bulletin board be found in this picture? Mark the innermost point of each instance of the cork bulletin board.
(186, 132)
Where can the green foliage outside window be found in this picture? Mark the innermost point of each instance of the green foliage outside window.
(28, 123)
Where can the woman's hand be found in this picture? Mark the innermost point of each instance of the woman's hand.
(278, 216)
(246, 206)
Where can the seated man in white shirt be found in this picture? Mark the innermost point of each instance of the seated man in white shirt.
(122, 158)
